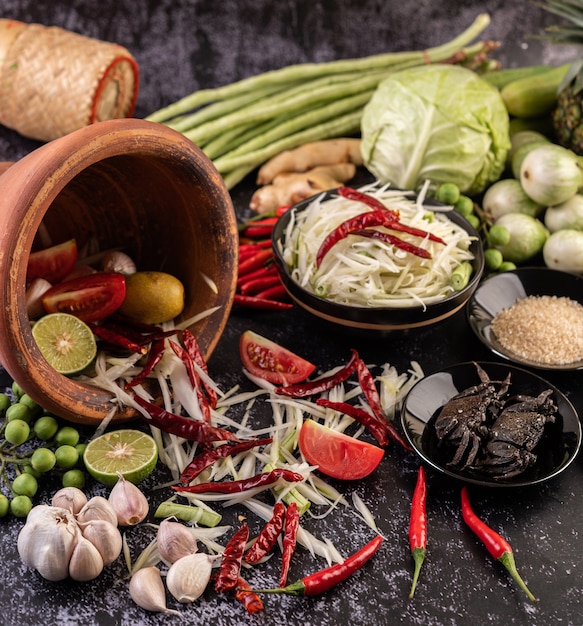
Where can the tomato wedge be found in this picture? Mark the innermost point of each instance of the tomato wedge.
(337, 454)
(268, 360)
(90, 298)
(53, 263)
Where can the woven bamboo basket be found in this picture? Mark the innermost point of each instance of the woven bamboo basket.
(53, 81)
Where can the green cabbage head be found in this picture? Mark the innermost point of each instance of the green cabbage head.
(437, 122)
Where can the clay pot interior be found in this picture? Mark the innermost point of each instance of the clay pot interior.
(125, 184)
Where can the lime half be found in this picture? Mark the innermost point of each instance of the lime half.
(66, 342)
(132, 453)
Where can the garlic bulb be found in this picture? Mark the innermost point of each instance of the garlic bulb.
(47, 540)
(188, 577)
(147, 590)
(174, 541)
(128, 502)
(105, 537)
(97, 507)
(86, 562)
(69, 498)
(120, 262)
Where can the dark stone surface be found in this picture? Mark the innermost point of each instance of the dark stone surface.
(184, 45)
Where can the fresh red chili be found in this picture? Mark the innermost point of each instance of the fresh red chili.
(290, 536)
(418, 526)
(231, 559)
(194, 378)
(238, 486)
(248, 598)
(156, 353)
(185, 427)
(117, 339)
(278, 292)
(255, 286)
(253, 262)
(259, 231)
(264, 304)
(301, 390)
(392, 239)
(193, 349)
(253, 246)
(207, 458)
(262, 272)
(496, 545)
(325, 579)
(282, 209)
(268, 535)
(369, 389)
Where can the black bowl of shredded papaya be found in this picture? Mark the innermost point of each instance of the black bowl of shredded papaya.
(532, 316)
(491, 424)
(377, 258)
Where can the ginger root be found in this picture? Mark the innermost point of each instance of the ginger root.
(292, 187)
(309, 156)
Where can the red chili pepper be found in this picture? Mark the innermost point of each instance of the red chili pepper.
(392, 239)
(194, 379)
(259, 231)
(257, 260)
(253, 246)
(301, 390)
(361, 416)
(290, 535)
(264, 304)
(262, 272)
(268, 535)
(117, 339)
(255, 286)
(282, 209)
(371, 201)
(238, 486)
(154, 357)
(207, 458)
(418, 526)
(231, 560)
(250, 600)
(369, 389)
(325, 579)
(496, 545)
(278, 292)
(193, 349)
(185, 427)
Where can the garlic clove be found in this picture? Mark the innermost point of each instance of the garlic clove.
(188, 577)
(147, 590)
(95, 508)
(117, 261)
(33, 298)
(86, 562)
(69, 498)
(174, 541)
(128, 502)
(105, 537)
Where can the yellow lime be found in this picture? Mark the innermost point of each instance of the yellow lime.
(66, 342)
(132, 453)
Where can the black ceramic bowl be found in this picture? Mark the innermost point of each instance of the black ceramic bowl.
(502, 290)
(377, 318)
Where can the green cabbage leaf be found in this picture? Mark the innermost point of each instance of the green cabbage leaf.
(441, 123)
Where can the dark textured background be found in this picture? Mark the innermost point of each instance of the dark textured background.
(184, 45)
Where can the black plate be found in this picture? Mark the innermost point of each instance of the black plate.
(502, 290)
(377, 318)
(556, 451)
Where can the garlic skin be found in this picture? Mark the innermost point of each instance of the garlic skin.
(97, 508)
(188, 577)
(117, 261)
(47, 540)
(128, 502)
(105, 537)
(147, 590)
(86, 562)
(174, 541)
(69, 498)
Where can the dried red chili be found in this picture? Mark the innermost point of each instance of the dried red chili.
(371, 201)
(117, 339)
(154, 356)
(496, 545)
(238, 486)
(290, 535)
(194, 378)
(418, 526)
(301, 390)
(231, 560)
(193, 349)
(395, 241)
(248, 598)
(268, 535)
(185, 427)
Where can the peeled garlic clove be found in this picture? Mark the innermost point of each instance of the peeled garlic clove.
(86, 562)
(105, 537)
(188, 577)
(97, 507)
(174, 541)
(69, 498)
(128, 502)
(147, 590)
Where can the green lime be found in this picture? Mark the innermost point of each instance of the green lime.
(66, 342)
(16, 432)
(43, 460)
(4, 505)
(25, 485)
(74, 478)
(132, 453)
(20, 506)
(67, 436)
(45, 427)
(67, 456)
(19, 411)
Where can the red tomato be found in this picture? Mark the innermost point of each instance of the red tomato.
(268, 360)
(337, 454)
(90, 298)
(53, 263)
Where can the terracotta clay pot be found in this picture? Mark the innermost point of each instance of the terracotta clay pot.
(128, 184)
